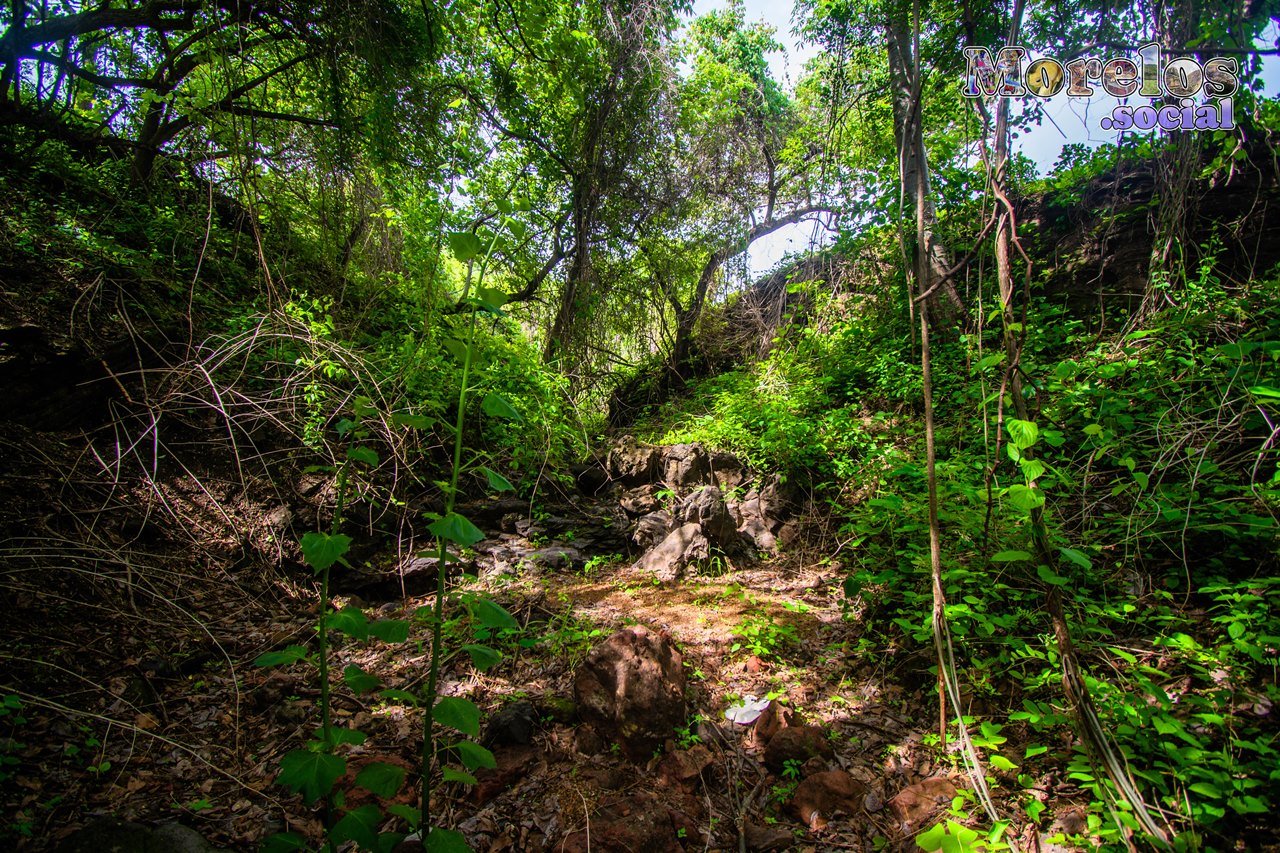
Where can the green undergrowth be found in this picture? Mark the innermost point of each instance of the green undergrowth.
(1156, 466)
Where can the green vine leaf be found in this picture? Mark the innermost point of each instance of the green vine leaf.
(390, 630)
(447, 841)
(359, 825)
(322, 550)
(497, 482)
(287, 655)
(482, 657)
(458, 713)
(363, 454)
(358, 680)
(381, 779)
(457, 529)
(310, 774)
(497, 406)
(474, 756)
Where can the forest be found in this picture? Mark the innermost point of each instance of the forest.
(406, 448)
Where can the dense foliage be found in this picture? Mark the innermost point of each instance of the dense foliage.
(423, 249)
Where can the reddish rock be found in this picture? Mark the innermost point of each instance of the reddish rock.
(762, 839)
(514, 763)
(915, 804)
(686, 765)
(631, 688)
(769, 723)
(821, 796)
(798, 744)
(634, 824)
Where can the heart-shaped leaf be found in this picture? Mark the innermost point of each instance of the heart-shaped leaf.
(458, 713)
(322, 550)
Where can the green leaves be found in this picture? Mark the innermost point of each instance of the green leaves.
(350, 621)
(1076, 557)
(322, 550)
(482, 657)
(310, 774)
(474, 756)
(358, 680)
(457, 529)
(497, 406)
(457, 713)
(1047, 575)
(390, 630)
(1024, 498)
(447, 841)
(359, 825)
(497, 482)
(381, 779)
(465, 246)
(1023, 434)
(287, 655)
(493, 616)
(1010, 556)
(363, 454)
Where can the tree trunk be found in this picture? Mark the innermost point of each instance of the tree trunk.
(944, 302)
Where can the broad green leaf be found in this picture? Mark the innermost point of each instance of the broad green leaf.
(350, 621)
(492, 615)
(340, 736)
(1023, 433)
(452, 774)
(322, 550)
(458, 713)
(465, 245)
(1034, 750)
(287, 655)
(310, 774)
(1032, 469)
(1025, 498)
(283, 842)
(411, 815)
(497, 406)
(492, 297)
(999, 762)
(482, 657)
(474, 756)
(931, 839)
(1048, 576)
(360, 826)
(390, 630)
(358, 680)
(457, 529)
(447, 841)
(381, 778)
(1077, 557)
(1265, 391)
(462, 352)
(412, 421)
(988, 361)
(497, 482)
(403, 696)
(363, 454)
(1010, 556)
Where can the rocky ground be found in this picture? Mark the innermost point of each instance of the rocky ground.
(687, 675)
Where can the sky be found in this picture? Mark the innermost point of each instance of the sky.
(1070, 120)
